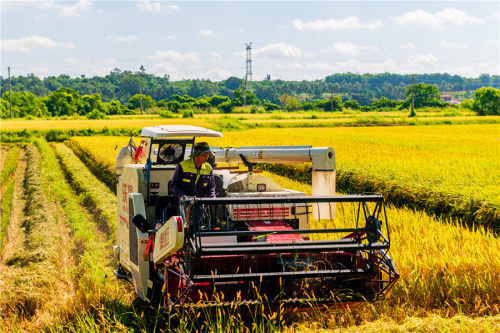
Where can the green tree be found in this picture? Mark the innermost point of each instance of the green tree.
(332, 104)
(238, 97)
(225, 107)
(233, 83)
(91, 103)
(487, 101)
(424, 95)
(216, 100)
(115, 107)
(135, 102)
(292, 103)
(351, 105)
(64, 102)
(24, 103)
(174, 106)
(202, 104)
(384, 102)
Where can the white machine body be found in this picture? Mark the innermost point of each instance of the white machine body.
(141, 184)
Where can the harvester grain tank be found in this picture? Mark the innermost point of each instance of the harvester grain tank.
(253, 237)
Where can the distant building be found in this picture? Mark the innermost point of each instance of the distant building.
(448, 98)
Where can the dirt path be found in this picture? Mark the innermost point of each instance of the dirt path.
(3, 155)
(15, 234)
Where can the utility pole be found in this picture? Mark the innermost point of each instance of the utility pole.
(248, 74)
(331, 100)
(412, 112)
(140, 90)
(10, 92)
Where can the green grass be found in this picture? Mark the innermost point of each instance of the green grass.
(7, 184)
(94, 195)
(10, 164)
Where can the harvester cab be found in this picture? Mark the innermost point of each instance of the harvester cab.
(254, 237)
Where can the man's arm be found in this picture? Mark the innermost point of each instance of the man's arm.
(211, 186)
(177, 182)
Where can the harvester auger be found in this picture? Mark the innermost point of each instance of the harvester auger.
(255, 241)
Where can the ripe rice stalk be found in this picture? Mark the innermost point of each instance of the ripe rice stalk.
(93, 193)
(34, 283)
(94, 285)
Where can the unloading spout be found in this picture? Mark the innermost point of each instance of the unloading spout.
(323, 166)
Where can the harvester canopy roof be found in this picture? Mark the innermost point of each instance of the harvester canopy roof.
(167, 131)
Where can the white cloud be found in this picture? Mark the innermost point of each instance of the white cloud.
(206, 33)
(452, 45)
(279, 50)
(439, 19)
(422, 60)
(407, 46)
(165, 67)
(171, 55)
(217, 74)
(125, 39)
(26, 44)
(171, 36)
(214, 56)
(66, 10)
(100, 67)
(493, 42)
(156, 6)
(351, 22)
(349, 49)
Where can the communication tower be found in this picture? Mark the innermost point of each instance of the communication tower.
(248, 74)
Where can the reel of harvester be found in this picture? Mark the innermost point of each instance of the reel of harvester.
(277, 250)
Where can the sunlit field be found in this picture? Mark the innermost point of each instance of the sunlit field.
(446, 269)
(57, 237)
(273, 119)
(454, 159)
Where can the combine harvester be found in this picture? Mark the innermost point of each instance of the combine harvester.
(254, 240)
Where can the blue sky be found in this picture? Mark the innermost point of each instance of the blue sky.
(291, 40)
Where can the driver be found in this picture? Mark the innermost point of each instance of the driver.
(193, 177)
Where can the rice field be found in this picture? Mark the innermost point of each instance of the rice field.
(427, 166)
(444, 267)
(57, 261)
(251, 120)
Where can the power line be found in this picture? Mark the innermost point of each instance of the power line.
(248, 74)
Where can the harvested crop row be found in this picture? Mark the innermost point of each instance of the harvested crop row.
(93, 193)
(95, 288)
(7, 190)
(4, 150)
(9, 164)
(35, 280)
(102, 169)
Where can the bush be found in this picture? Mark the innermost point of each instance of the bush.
(271, 106)
(225, 107)
(188, 114)
(95, 114)
(351, 105)
(166, 114)
(174, 106)
(256, 109)
(467, 103)
(487, 101)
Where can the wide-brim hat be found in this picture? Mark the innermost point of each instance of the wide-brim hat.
(201, 148)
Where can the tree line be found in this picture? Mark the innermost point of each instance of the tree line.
(68, 102)
(364, 89)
